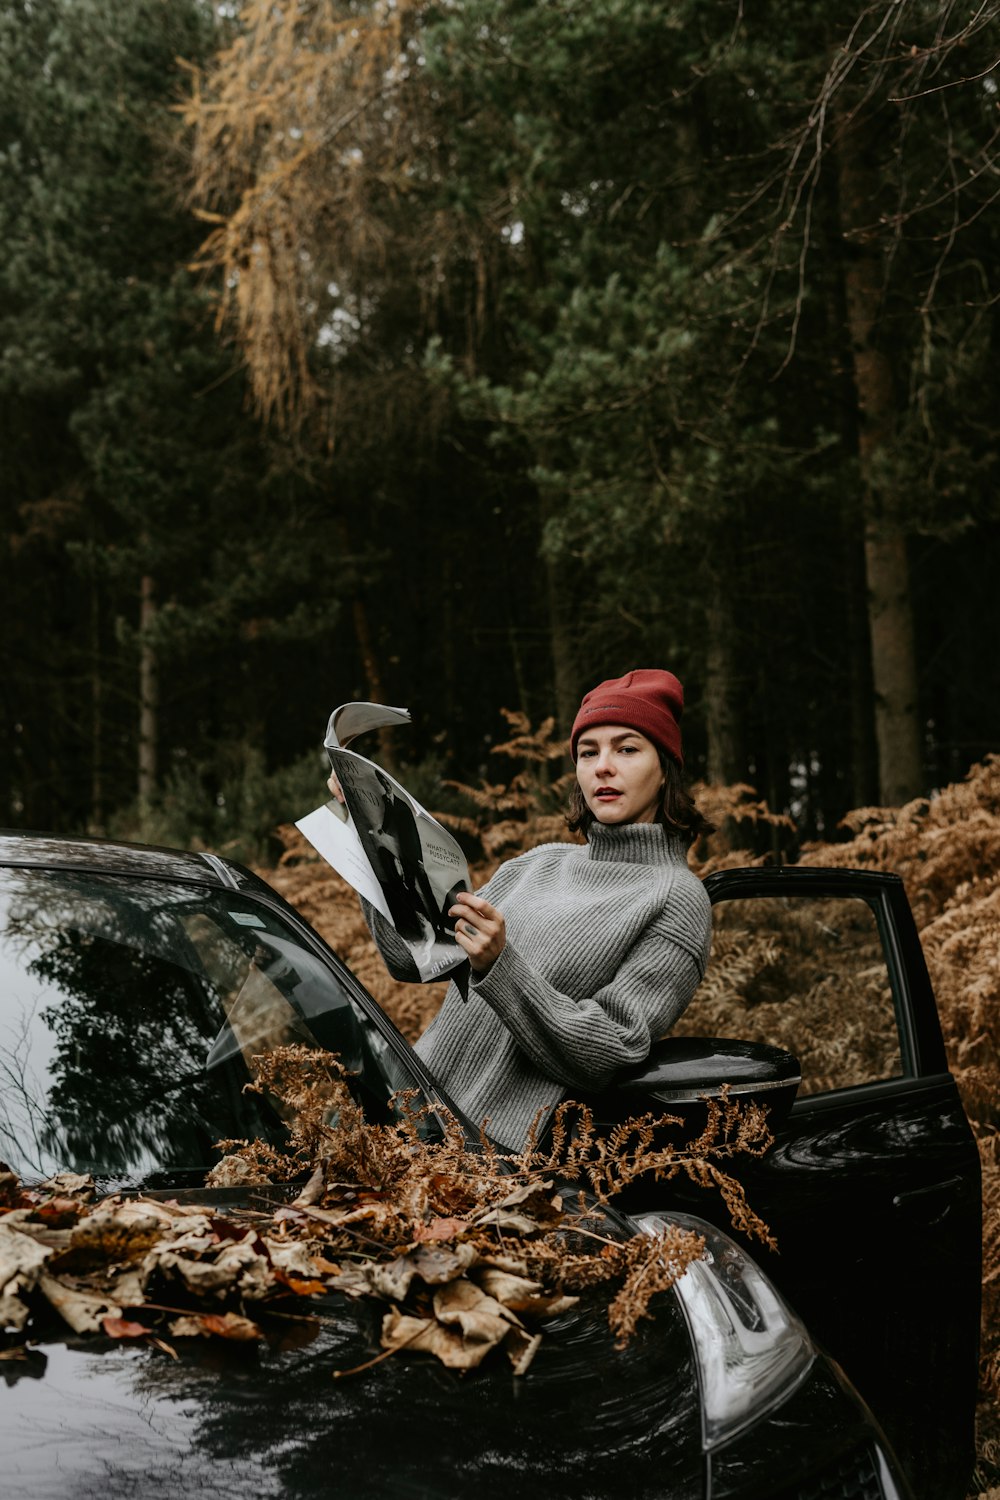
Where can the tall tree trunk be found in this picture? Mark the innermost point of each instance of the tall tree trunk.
(366, 650)
(862, 788)
(96, 713)
(887, 572)
(863, 771)
(149, 691)
(373, 676)
(564, 667)
(563, 628)
(722, 727)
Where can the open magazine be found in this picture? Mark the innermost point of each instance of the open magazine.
(387, 846)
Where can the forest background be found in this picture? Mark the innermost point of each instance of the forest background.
(463, 354)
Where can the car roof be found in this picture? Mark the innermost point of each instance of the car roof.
(113, 857)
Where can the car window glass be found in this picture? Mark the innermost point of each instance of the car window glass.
(807, 974)
(275, 992)
(129, 1010)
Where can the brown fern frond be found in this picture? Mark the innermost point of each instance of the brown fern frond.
(652, 1264)
(539, 744)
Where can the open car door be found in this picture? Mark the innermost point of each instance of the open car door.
(873, 1186)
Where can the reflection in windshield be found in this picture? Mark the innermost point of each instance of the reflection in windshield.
(129, 1011)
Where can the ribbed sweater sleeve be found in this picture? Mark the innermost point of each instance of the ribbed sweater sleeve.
(583, 1041)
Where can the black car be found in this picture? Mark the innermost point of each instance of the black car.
(119, 968)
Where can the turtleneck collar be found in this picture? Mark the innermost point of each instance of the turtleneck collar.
(634, 843)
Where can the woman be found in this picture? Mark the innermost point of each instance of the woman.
(580, 957)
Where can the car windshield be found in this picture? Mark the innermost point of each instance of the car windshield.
(129, 1011)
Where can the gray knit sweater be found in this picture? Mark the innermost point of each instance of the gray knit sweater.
(606, 944)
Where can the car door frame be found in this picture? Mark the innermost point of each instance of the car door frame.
(894, 1298)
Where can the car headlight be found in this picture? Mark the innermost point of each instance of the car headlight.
(750, 1348)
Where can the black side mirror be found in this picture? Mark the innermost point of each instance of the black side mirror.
(680, 1071)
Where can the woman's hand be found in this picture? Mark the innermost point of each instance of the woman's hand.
(335, 787)
(479, 929)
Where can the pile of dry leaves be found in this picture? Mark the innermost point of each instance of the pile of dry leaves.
(468, 1251)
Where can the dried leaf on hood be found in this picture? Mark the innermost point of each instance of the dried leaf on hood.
(436, 1264)
(428, 1336)
(207, 1269)
(336, 1219)
(300, 1288)
(22, 1260)
(523, 1296)
(527, 1210)
(392, 1280)
(59, 1213)
(433, 1264)
(481, 1318)
(216, 1325)
(230, 1325)
(113, 1234)
(352, 1281)
(441, 1229)
(123, 1328)
(236, 1171)
(536, 1198)
(293, 1258)
(83, 1309)
(71, 1185)
(508, 1221)
(324, 1267)
(314, 1188)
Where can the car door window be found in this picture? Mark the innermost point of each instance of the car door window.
(806, 973)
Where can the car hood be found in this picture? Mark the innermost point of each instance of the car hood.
(84, 1418)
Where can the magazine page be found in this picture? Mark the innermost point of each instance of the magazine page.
(352, 719)
(332, 834)
(390, 849)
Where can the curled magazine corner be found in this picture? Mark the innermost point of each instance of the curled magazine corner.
(353, 719)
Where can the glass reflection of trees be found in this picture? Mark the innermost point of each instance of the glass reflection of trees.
(115, 1022)
(129, 1012)
(132, 1031)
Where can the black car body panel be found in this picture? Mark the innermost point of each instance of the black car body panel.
(220, 1421)
(818, 1443)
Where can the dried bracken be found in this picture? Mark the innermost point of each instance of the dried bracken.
(646, 1146)
(469, 1250)
(510, 816)
(807, 976)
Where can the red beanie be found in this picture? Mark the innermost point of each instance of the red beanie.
(648, 700)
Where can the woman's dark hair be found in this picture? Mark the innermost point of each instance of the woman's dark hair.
(677, 812)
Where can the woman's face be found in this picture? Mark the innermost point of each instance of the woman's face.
(620, 774)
